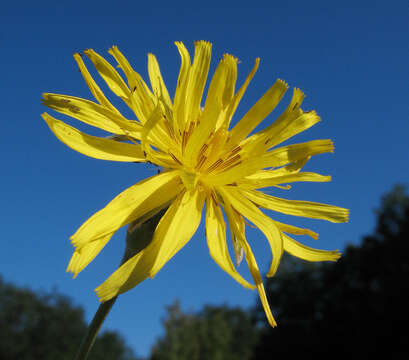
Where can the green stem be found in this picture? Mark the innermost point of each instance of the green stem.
(93, 328)
(139, 235)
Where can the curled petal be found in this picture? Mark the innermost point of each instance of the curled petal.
(251, 261)
(92, 114)
(307, 253)
(93, 146)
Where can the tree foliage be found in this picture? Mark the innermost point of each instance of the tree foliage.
(357, 306)
(215, 333)
(48, 327)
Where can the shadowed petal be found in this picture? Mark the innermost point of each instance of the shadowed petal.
(174, 230)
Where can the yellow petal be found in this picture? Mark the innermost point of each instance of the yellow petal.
(93, 146)
(197, 80)
(255, 272)
(296, 230)
(216, 241)
(298, 208)
(150, 137)
(141, 98)
(177, 227)
(92, 114)
(219, 91)
(252, 182)
(82, 257)
(289, 127)
(174, 230)
(251, 261)
(180, 93)
(260, 220)
(309, 254)
(278, 157)
(96, 91)
(264, 106)
(158, 85)
(109, 74)
(128, 206)
(288, 154)
(236, 100)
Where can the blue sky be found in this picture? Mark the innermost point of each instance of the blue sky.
(350, 58)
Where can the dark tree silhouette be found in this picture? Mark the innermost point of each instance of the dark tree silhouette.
(357, 306)
(48, 327)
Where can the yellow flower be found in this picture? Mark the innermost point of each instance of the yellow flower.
(205, 160)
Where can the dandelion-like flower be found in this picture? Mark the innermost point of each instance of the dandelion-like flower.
(204, 161)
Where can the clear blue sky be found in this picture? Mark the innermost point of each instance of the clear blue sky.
(350, 57)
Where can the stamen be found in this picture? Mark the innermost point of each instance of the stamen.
(229, 167)
(186, 135)
(168, 128)
(228, 162)
(175, 158)
(203, 150)
(214, 197)
(214, 165)
(200, 162)
(184, 139)
(236, 150)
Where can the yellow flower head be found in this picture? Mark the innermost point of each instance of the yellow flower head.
(205, 161)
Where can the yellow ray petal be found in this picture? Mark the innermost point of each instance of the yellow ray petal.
(288, 154)
(219, 91)
(174, 230)
(180, 92)
(93, 146)
(158, 85)
(197, 80)
(95, 90)
(260, 220)
(216, 241)
(92, 114)
(255, 272)
(264, 106)
(277, 157)
(109, 74)
(150, 137)
(296, 230)
(82, 257)
(177, 227)
(134, 79)
(306, 253)
(254, 183)
(261, 175)
(298, 208)
(141, 98)
(289, 128)
(256, 143)
(128, 206)
(236, 100)
(251, 261)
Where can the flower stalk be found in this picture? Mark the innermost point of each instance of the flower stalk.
(138, 236)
